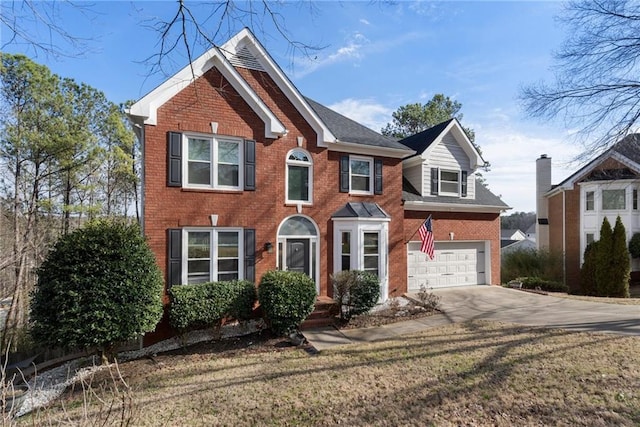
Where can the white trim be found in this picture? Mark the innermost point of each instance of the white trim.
(246, 39)
(452, 207)
(309, 166)
(370, 150)
(146, 109)
(371, 176)
(459, 181)
(213, 257)
(213, 162)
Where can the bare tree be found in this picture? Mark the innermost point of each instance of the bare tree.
(597, 79)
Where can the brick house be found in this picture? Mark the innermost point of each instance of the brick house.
(570, 214)
(243, 174)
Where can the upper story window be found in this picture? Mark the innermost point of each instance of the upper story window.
(360, 175)
(448, 182)
(589, 200)
(634, 199)
(613, 199)
(213, 162)
(299, 180)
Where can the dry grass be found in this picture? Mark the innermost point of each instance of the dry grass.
(462, 374)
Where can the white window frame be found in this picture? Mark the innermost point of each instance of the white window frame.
(300, 163)
(213, 162)
(213, 248)
(586, 200)
(624, 199)
(378, 254)
(440, 180)
(371, 175)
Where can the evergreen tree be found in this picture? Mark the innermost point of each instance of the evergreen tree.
(588, 270)
(604, 259)
(620, 262)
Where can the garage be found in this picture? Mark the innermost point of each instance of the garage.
(454, 264)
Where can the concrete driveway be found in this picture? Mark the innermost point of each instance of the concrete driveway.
(514, 306)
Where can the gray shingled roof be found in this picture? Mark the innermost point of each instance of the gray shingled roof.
(484, 197)
(360, 210)
(422, 140)
(347, 130)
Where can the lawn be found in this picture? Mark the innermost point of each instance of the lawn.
(463, 374)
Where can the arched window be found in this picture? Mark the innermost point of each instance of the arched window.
(299, 179)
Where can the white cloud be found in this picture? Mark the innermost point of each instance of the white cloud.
(351, 51)
(364, 21)
(364, 111)
(513, 155)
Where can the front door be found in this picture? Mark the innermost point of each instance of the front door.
(298, 256)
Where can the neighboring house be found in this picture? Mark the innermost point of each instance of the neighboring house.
(508, 245)
(531, 232)
(570, 214)
(512, 235)
(440, 180)
(243, 174)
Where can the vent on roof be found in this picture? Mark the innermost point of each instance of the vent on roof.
(245, 59)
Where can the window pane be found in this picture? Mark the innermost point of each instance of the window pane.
(589, 200)
(227, 244)
(298, 156)
(360, 183)
(449, 187)
(199, 149)
(346, 262)
(228, 152)
(228, 175)
(449, 176)
(371, 241)
(298, 185)
(297, 226)
(370, 262)
(199, 173)
(199, 267)
(228, 266)
(199, 245)
(224, 277)
(346, 242)
(360, 167)
(613, 199)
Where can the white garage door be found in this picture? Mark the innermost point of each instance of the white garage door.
(455, 264)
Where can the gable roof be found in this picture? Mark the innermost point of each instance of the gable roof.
(350, 131)
(145, 110)
(485, 200)
(423, 142)
(626, 151)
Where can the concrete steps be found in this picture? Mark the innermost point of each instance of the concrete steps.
(324, 314)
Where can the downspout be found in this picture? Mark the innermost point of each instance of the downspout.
(139, 131)
(564, 236)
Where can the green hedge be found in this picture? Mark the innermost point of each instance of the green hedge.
(287, 298)
(542, 284)
(206, 304)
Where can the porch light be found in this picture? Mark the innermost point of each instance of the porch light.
(268, 247)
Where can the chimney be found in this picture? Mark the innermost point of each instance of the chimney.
(543, 185)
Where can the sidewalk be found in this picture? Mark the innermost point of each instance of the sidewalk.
(328, 337)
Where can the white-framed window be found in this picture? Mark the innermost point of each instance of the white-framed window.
(589, 238)
(345, 247)
(589, 200)
(371, 252)
(360, 175)
(212, 254)
(449, 182)
(634, 199)
(212, 162)
(299, 179)
(613, 199)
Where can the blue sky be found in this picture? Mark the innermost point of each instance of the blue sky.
(377, 57)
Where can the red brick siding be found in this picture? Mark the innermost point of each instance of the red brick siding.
(466, 226)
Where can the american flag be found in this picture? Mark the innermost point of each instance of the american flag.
(426, 235)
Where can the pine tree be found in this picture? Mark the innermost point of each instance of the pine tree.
(620, 262)
(604, 259)
(587, 272)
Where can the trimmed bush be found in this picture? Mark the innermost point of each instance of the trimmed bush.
(634, 245)
(287, 298)
(99, 285)
(542, 284)
(207, 304)
(620, 263)
(355, 291)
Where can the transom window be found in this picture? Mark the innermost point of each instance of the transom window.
(449, 182)
(213, 162)
(212, 255)
(589, 200)
(299, 180)
(613, 199)
(360, 175)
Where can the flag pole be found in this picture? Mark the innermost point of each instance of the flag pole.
(414, 233)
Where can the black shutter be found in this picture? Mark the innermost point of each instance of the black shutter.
(174, 159)
(377, 176)
(250, 254)
(463, 184)
(434, 181)
(249, 165)
(344, 174)
(174, 257)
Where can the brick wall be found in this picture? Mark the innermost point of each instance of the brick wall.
(466, 226)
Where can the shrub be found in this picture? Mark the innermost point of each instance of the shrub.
(542, 284)
(207, 304)
(588, 270)
(620, 266)
(604, 259)
(287, 298)
(355, 291)
(99, 285)
(531, 263)
(428, 298)
(634, 245)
